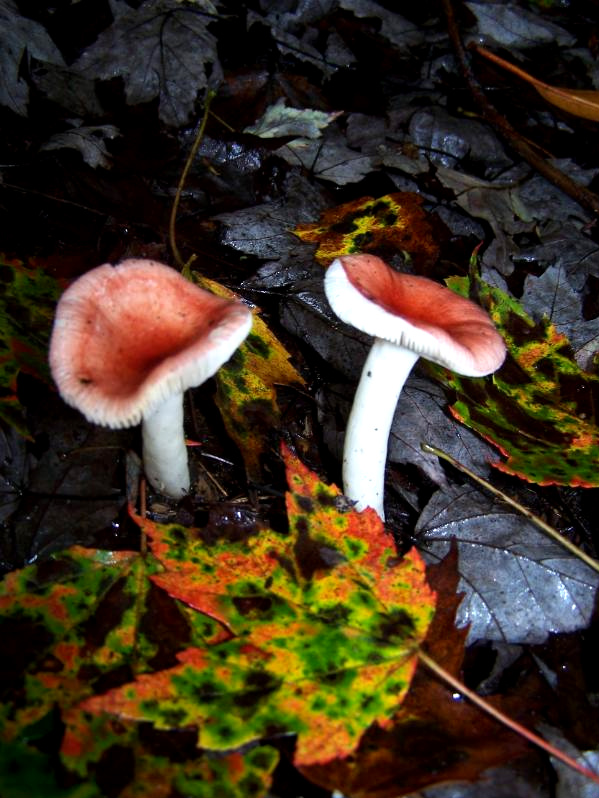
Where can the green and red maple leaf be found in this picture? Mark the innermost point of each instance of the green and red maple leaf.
(313, 632)
(325, 626)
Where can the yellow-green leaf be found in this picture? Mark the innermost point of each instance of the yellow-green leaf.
(247, 386)
(395, 222)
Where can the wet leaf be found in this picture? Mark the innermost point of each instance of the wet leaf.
(162, 50)
(580, 102)
(45, 610)
(538, 587)
(88, 140)
(513, 26)
(540, 408)
(328, 159)
(326, 622)
(278, 120)
(90, 741)
(26, 772)
(393, 222)
(247, 387)
(20, 38)
(552, 295)
(27, 302)
(81, 620)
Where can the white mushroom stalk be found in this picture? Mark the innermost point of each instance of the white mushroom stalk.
(384, 374)
(409, 317)
(128, 340)
(164, 451)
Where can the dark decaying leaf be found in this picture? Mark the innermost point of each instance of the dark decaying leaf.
(162, 50)
(538, 587)
(513, 26)
(327, 620)
(88, 140)
(20, 38)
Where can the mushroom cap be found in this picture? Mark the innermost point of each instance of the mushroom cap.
(415, 313)
(127, 337)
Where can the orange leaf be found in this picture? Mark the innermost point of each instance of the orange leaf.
(580, 102)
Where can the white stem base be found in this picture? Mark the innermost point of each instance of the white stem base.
(367, 436)
(164, 450)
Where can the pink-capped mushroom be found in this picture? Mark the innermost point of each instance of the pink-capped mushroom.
(128, 340)
(409, 317)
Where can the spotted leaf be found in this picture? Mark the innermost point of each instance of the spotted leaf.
(247, 386)
(324, 624)
(540, 409)
(395, 222)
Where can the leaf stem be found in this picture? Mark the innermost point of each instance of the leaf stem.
(480, 702)
(534, 519)
(182, 180)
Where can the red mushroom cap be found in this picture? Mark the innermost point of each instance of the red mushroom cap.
(415, 313)
(127, 337)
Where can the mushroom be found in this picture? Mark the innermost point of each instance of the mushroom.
(409, 317)
(128, 340)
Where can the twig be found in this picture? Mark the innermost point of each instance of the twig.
(505, 719)
(544, 527)
(585, 198)
(172, 237)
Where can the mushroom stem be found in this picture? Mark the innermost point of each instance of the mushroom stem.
(367, 436)
(164, 450)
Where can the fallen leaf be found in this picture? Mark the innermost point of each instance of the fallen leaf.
(279, 120)
(90, 741)
(326, 622)
(435, 737)
(328, 159)
(552, 295)
(395, 222)
(162, 50)
(21, 38)
(27, 306)
(537, 587)
(247, 387)
(88, 140)
(513, 26)
(80, 620)
(580, 102)
(540, 408)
